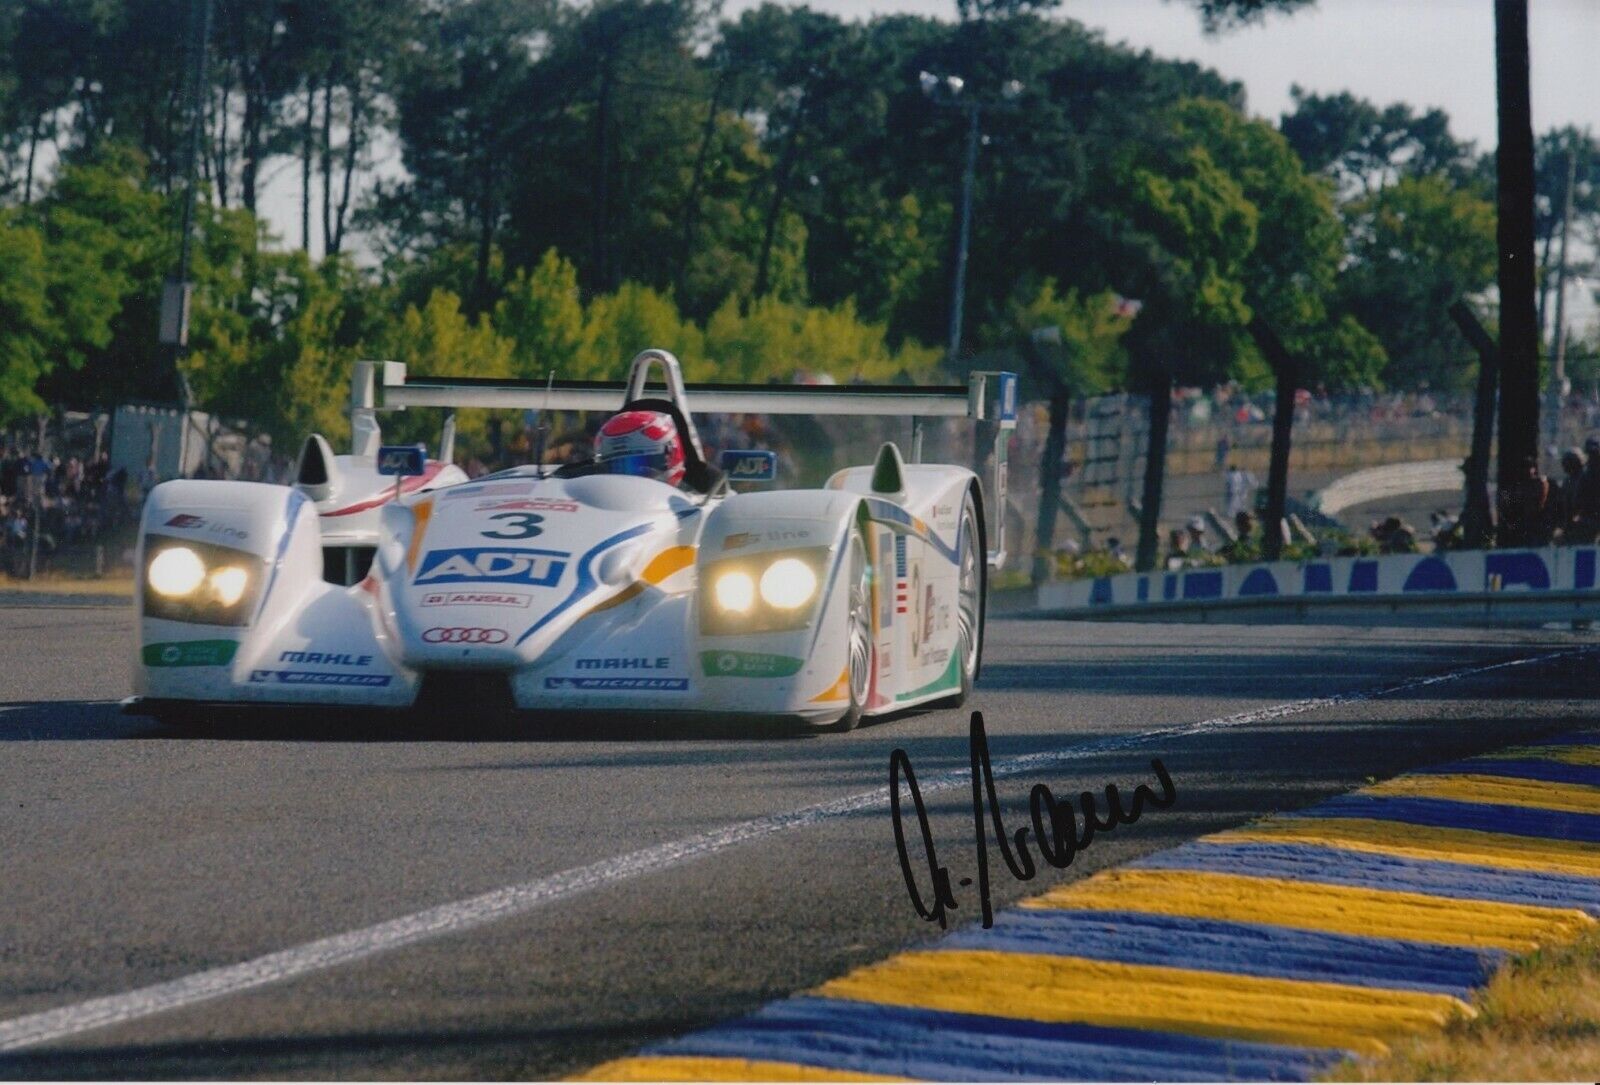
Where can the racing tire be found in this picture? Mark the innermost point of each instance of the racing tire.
(858, 633)
(972, 597)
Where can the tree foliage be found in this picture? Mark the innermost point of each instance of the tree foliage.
(1417, 246)
(771, 195)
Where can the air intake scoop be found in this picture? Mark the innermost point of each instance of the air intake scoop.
(888, 472)
(316, 475)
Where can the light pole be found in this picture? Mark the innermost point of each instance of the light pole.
(948, 92)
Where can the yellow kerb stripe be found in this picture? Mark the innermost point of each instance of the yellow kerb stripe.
(1501, 790)
(1570, 755)
(1423, 842)
(695, 1068)
(422, 511)
(1036, 987)
(1339, 908)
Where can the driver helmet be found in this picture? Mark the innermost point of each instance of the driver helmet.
(642, 443)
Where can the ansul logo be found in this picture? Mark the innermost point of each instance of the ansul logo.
(464, 635)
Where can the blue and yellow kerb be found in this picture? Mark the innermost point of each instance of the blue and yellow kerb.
(1268, 952)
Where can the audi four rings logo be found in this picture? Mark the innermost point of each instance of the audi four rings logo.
(460, 635)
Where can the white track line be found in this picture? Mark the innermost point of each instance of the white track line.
(461, 915)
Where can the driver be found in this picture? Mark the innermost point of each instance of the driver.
(642, 443)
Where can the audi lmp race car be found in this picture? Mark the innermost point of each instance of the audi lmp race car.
(383, 579)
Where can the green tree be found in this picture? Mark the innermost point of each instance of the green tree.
(465, 117)
(774, 340)
(25, 323)
(1290, 279)
(1362, 148)
(1552, 168)
(105, 234)
(617, 326)
(282, 362)
(1069, 342)
(1219, 15)
(1417, 246)
(542, 313)
(440, 339)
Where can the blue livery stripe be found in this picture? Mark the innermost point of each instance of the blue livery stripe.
(1556, 772)
(1248, 949)
(586, 582)
(1317, 863)
(889, 512)
(1446, 814)
(291, 513)
(870, 1038)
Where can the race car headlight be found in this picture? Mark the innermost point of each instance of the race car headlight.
(176, 571)
(186, 581)
(735, 591)
(762, 593)
(229, 583)
(788, 583)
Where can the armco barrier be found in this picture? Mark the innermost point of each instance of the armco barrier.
(1497, 586)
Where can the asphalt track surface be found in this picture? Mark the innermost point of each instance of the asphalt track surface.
(134, 855)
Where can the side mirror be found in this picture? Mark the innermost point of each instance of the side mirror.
(402, 460)
(749, 465)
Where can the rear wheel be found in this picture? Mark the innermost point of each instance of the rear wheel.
(858, 634)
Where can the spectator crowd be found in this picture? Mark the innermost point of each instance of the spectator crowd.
(1560, 512)
(63, 501)
(1564, 511)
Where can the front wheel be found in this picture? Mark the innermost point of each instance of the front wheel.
(972, 590)
(858, 634)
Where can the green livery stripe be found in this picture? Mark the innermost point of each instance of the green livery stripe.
(949, 680)
(190, 653)
(735, 664)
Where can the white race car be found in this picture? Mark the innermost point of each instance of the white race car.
(382, 583)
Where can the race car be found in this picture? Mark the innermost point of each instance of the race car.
(384, 579)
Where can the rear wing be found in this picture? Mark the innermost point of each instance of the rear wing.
(986, 397)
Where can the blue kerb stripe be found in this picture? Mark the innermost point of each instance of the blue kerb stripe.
(1556, 772)
(871, 1038)
(1582, 738)
(1446, 814)
(1246, 949)
(1335, 866)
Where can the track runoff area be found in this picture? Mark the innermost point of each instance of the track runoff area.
(1291, 937)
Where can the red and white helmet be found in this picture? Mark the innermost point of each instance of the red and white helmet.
(643, 443)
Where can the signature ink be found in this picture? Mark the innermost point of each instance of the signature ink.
(1054, 827)
(942, 898)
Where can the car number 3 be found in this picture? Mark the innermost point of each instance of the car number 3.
(519, 525)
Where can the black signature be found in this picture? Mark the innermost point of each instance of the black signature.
(1055, 826)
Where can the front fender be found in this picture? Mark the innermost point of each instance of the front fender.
(799, 669)
(300, 638)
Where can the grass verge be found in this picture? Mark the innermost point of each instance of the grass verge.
(62, 584)
(1538, 1020)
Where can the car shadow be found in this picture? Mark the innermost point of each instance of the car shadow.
(67, 721)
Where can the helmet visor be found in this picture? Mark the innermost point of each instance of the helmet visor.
(639, 464)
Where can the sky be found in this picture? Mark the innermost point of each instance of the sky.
(1422, 52)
